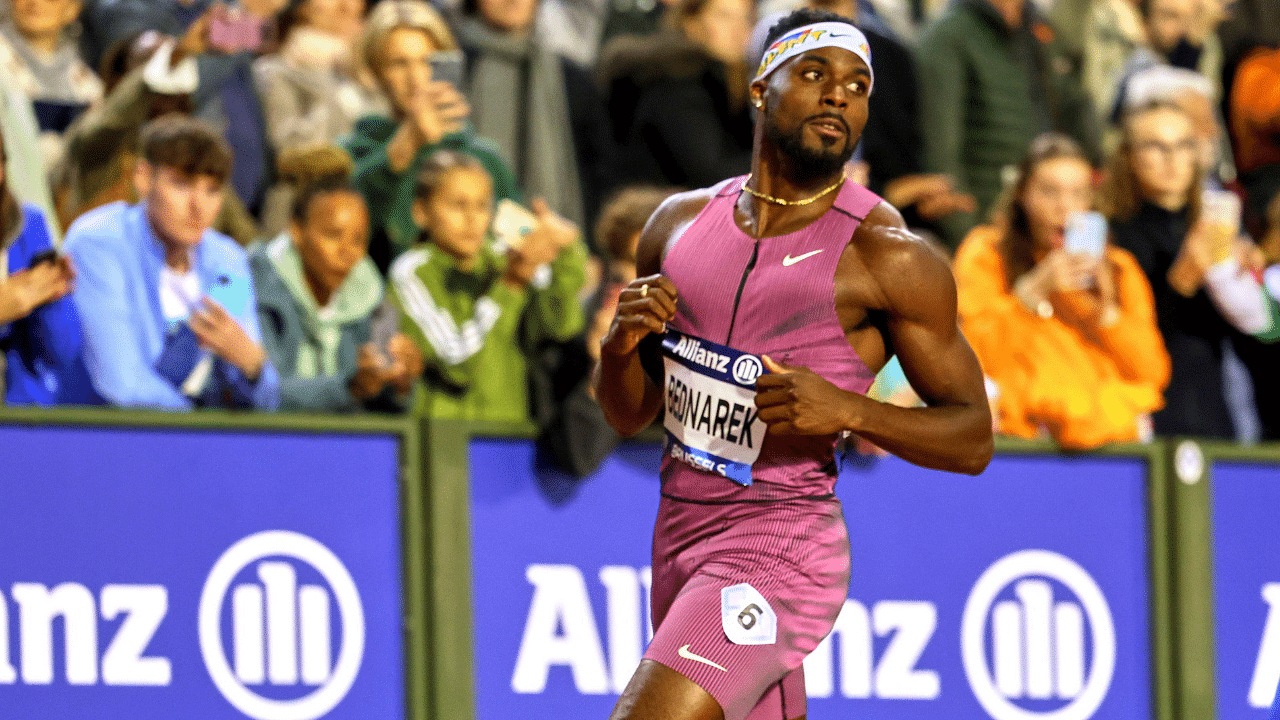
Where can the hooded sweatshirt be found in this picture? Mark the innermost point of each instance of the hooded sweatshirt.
(314, 348)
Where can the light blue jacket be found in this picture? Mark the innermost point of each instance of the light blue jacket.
(118, 260)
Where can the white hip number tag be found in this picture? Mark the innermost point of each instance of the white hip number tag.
(747, 617)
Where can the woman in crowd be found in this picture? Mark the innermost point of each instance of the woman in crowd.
(39, 55)
(1069, 339)
(477, 314)
(1154, 195)
(540, 108)
(39, 327)
(401, 40)
(309, 88)
(318, 294)
(677, 99)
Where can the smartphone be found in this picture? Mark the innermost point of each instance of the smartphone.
(1220, 212)
(235, 31)
(1086, 234)
(44, 256)
(512, 223)
(231, 292)
(447, 66)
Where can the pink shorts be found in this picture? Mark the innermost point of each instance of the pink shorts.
(793, 553)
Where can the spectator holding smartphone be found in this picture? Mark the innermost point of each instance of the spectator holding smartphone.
(230, 34)
(167, 303)
(404, 43)
(1155, 197)
(1068, 337)
(475, 314)
(39, 327)
(318, 292)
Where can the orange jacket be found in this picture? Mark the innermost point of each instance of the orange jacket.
(1085, 386)
(1255, 110)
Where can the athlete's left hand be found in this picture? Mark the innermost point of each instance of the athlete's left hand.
(798, 401)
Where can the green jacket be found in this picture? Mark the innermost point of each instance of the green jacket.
(986, 92)
(476, 332)
(315, 356)
(390, 194)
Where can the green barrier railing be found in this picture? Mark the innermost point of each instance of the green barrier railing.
(1190, 481)
(435, 495)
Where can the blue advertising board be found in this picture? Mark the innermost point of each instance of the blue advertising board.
(1246, 558)
(163, 573)
(1016, 595)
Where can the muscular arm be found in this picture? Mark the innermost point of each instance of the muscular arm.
(918, 293)
(629, 398)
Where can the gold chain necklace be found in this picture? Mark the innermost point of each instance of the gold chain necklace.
(780, 201)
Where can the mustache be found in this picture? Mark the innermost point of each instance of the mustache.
(830, 116)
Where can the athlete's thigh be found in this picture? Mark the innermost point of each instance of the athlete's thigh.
(656, 692)
(784, 700)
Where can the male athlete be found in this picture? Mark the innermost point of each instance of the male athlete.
(793, 271)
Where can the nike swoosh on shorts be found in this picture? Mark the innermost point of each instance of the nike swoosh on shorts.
(788, 261)
(686, 654)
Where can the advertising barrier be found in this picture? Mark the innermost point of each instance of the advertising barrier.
(1024, 593)
(163, 571)
(1243, 499)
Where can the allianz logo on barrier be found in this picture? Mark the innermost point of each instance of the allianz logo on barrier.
(1036, 663)
(1266, 670)
(1037, 639)
(282, 633)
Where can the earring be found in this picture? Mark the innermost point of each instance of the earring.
(758, 104)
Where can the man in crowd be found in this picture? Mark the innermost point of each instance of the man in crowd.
(167, 303)
(992, 78)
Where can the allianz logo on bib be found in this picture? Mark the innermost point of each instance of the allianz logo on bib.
(691, 349)
(1037, 639)
(274, 609)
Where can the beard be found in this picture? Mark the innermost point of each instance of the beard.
(810, 163)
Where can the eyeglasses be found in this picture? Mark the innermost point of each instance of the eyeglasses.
(1187, 146)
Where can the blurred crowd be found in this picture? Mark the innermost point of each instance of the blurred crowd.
(430, 207)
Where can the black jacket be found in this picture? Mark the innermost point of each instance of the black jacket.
(672, 117)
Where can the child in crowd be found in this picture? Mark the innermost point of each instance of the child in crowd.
(318, 296)
(476, 313)
(1069, 337)
(39, 328)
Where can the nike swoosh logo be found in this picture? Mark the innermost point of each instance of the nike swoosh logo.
(684, 653)
(788, 261)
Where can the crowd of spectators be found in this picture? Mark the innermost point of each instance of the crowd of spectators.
(429, 206)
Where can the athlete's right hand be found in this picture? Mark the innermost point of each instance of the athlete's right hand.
(640, 311)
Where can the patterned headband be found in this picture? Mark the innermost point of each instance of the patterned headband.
(824, 34)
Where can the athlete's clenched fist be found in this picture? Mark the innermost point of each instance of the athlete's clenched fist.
(645, 306)
(798, 401)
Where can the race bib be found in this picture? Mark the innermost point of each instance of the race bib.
(711, 417)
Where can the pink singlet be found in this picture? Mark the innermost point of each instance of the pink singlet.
(720, 548)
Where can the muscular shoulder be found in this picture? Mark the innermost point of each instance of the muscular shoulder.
(667, 222)
(913, 276)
